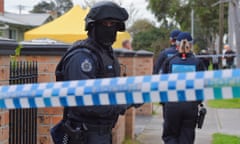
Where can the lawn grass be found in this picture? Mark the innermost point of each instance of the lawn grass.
(219, 138)
(128, 141)
(225, 103)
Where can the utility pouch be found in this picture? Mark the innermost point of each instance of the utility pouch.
(58, 134)
(201, 116)
(76, 134)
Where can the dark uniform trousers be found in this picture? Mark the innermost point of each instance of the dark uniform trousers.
(180, 122)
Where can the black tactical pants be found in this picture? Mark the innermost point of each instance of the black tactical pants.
(179, 122)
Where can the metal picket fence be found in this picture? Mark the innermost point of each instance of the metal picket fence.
(23, 122)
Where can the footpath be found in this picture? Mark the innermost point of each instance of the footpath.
(148, 129)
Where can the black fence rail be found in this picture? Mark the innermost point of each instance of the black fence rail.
(23, 122)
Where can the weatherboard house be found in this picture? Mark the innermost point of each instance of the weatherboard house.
(13, 26)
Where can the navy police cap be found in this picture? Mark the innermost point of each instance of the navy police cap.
(184, 35)
(174, 34)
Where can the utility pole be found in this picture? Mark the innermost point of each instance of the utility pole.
(20, 8)
(192, 20)
(221, 25)
(234, 32)
(192, 23)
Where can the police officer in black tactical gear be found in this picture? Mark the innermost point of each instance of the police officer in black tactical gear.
(90, 59)
(180, 118)
(168, 52)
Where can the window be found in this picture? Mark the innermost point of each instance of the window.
(13, 34)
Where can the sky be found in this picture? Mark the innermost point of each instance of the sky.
(140, 6)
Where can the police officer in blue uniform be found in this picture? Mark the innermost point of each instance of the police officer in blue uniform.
(180, 118)
(90, 59)
(168, 52)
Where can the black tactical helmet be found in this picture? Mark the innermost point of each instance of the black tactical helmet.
(106, 10)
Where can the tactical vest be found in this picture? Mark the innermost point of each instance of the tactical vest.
(102, 57)
(92, 113)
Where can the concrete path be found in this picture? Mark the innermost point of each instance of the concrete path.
(148, 129)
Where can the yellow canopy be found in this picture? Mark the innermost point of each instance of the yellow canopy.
(68, 28)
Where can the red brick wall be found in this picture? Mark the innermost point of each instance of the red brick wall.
(137, 66)
(118, 131)
(129, 62)
(1, 7)
(4, 126)
(130, 122)
(4, 70)
(48, 117)
(143, 66)
(4, 114)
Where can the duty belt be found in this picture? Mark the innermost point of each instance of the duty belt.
(93, 127)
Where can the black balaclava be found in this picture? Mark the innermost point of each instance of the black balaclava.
(104, 35)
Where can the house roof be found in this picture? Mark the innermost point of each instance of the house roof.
(24, 19)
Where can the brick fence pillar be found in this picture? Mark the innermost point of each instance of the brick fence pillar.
(130, 123)
(4, 126)
(7, 48)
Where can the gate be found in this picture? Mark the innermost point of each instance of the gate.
(23, 122)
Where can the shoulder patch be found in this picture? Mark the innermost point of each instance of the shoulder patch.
(86, 66)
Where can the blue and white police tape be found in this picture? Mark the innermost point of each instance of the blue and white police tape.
(216, 55)
(178, 87)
